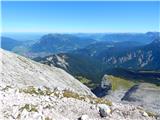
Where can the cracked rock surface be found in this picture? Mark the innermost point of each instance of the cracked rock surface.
(23, 106)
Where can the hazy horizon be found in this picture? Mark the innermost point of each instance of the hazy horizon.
(37, 35)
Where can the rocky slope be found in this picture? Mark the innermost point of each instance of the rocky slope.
(33, 91)
(17, 104)
(20, 72)
(146, 95)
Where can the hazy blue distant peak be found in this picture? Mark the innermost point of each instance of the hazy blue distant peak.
(153, 34)
(23, 36)
(156, 41)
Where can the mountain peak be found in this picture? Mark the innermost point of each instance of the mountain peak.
(56, 43)
(157, 40)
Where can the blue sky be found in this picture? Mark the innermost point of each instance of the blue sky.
(80, 16)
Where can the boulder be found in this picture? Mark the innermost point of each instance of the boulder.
(145, 114)
(104, 110)
(84, 117)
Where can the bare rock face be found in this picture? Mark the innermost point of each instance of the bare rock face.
(19, 71)
(144, 94)
(105, 83)
(104, 88)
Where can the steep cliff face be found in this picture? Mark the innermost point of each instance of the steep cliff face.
(20, 72)
(145, 57)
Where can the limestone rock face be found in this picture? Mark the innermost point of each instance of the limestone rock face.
(19, 71)
(104, 88)
(144, 94)
(105, 83)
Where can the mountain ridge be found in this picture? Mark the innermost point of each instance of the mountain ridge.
(59, 43)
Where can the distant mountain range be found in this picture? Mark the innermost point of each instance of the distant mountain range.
(116, 67)
(125, 54)
(55, 43)
(103, 57)
(110, 48)
(84, 62)
(120, 37)
(9, 43)
(58, 43)
(20, 47)
(143, 57)
(81, 55)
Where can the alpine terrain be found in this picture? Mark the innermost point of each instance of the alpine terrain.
(30, 90)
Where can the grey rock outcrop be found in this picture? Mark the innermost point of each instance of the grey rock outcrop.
(105, 90)
(145, 94)
(105, 83)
